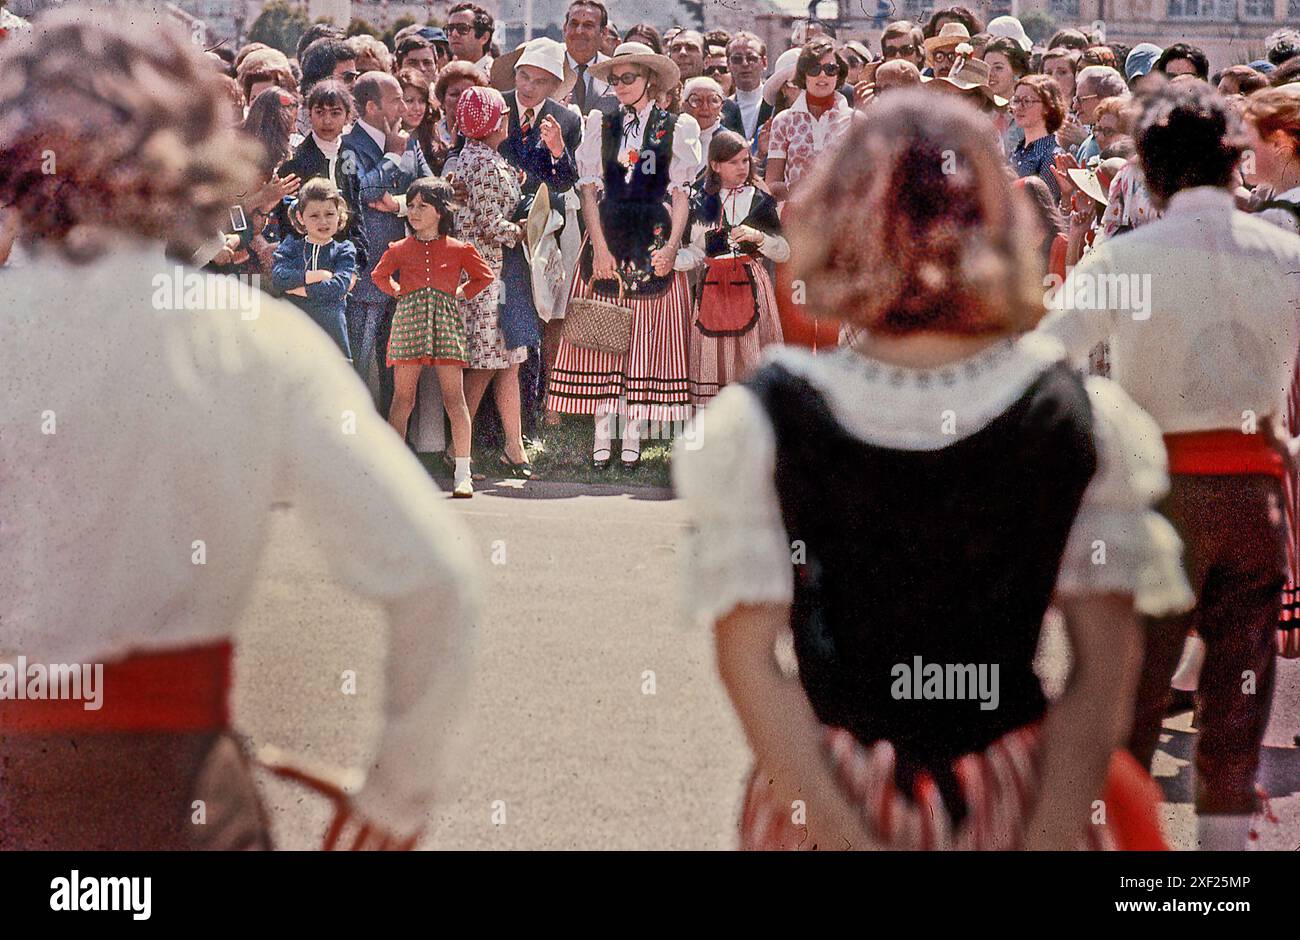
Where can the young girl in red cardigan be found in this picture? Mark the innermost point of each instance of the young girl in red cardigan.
(427, 328)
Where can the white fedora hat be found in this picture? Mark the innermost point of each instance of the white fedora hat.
(543, 53)
(782, 72)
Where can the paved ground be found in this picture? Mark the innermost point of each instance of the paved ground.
(580, 755)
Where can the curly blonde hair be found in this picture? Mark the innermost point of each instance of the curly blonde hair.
(928, 232)
(109, 130)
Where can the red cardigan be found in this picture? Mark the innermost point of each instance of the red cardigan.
(437, 264)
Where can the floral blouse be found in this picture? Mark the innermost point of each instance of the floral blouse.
(494, 192)
(1128, 203)
(799, 139)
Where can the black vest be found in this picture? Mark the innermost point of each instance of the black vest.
(634, 212)
(950, 555)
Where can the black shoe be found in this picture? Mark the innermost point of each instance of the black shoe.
(520, 471)
(634, 462)
(598, 462)
(1180, 701)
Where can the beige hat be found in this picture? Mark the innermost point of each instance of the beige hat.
(971, 74)
(950, 37)
(782, 72)
(1096, 180)
(638, 53)
(543, 53)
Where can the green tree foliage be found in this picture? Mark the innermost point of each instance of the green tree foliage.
(280, 26)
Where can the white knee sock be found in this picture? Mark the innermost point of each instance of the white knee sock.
(1221, 832)
(603, 432)
(462, 470)
(632, 436)
(1188, 674)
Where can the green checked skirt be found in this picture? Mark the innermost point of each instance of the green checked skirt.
(427, 330)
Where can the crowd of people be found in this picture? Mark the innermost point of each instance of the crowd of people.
(840, 256)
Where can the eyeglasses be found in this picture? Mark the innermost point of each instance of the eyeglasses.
(827, 68)
(749, 59)
(941, 56)
(717, 70)
(1078, 97)
(460, 28)
(893, 52)
(700, 101)
(854, 62)
(1101, 130)
(1024, 102)
(627, 78)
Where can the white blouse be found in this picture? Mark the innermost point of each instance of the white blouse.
(738, 551)
(686, 159)
(735, 207)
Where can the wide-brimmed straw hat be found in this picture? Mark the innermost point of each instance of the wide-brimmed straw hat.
(543, 53)
(950, 37)
(1095, 181)
(782, 72)
(638, 53)
(971, 74)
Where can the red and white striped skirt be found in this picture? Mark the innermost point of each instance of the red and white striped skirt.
(649, 381)
(1288, 637)
(999, 785)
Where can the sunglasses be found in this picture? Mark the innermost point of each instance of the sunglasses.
(627, 78)
(854, 62)
(717, 70)
(827, 68)
(460, 28)
(745, 59)
(893, 52)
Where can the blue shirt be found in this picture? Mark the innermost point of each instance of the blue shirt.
(1037, 158)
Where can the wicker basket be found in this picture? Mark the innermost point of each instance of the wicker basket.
(599, 324)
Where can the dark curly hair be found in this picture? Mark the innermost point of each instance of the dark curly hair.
(1187, 136)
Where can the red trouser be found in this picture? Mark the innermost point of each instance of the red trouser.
(1235, 556)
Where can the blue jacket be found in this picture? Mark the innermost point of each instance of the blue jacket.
(325, 298)
(377, 174)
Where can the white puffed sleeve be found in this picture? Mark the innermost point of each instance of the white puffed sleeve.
(588, 155)
(736, 550)
(1119, 543)
(686, 162)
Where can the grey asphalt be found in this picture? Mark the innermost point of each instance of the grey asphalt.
(567, 741)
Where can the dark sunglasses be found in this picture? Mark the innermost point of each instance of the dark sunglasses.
(893, 52)
(828, 68)
(750, 59)
(717, 70)
(854, 62)
(460, 28)
(627, 78)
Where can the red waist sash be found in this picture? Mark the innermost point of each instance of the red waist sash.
(171, 690)
(1224, 452)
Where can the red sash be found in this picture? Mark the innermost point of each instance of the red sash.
(170, 690)
(1224, 452)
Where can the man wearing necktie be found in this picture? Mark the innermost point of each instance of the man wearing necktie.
(584, 26)
(544, 135)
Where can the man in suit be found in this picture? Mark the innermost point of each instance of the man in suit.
(385, 161)
(543, 141)
(747, 56)
(328, 106)
(584, 28)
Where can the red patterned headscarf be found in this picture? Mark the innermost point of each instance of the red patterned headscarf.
(479, 111)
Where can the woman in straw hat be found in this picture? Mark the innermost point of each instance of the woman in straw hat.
(635, 169)
(846, 457)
